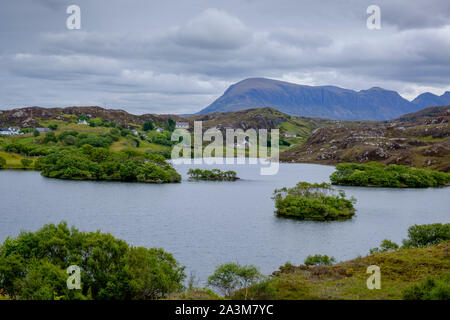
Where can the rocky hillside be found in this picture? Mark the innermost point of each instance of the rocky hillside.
(418, 139)
(261, 118)
(321, 101)
(31, 116)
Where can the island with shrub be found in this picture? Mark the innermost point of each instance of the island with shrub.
(313, 201)
(375, 174)
(89, 163)
(212, 175)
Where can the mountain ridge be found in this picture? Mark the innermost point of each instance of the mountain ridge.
(327, 101)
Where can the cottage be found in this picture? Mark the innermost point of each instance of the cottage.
(182, 125)
(11, 131)
(290, 135)
(82, 122)
(43, 130)
(135, 132)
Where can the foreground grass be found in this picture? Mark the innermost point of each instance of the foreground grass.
(347, 280)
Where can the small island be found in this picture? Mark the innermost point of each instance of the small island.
(375, 174)
(313, 201)
(212, 175)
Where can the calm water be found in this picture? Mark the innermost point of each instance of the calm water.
(204, 224)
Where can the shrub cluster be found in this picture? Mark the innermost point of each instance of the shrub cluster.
(430, 289)
(89, 163)
(393, 176)
(213, 175)
(319, 260)
(313, 202)
(52, 142)
(33, 266)
(427, 235)
(418, 236)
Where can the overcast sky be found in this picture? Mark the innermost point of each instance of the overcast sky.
(177, 56)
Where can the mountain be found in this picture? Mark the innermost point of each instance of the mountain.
(312, 101)
(428, 99)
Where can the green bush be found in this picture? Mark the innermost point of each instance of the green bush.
(319, 260)
(90, 163)
(393, 176)
(162, 138)
(33, 266)
(26, 162)
(213, 175)
(102, 141)
(148, 125)
(427, 235)
(386, 245)
(2, 162)
(313, 202)
(430, 289)
(230, 277)
(170, 124)
(49, 137)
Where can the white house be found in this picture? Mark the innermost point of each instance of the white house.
(182, 125)
(135, 132)
(42, 130)
(11, 131)
(82, 122)
(290, 135)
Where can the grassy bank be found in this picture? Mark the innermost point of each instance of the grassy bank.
(347, 280)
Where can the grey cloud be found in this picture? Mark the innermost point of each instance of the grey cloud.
(190, 58)
(213, 29)
(415, 14)
(294, 37)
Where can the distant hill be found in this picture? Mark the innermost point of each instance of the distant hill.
(309, 101)
(31, 116)
(428, 99)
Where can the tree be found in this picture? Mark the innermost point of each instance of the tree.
(171, 124)
(36, 133)
(53, 127)
(26, 162)
(319, 260)
(2, 162)
(148, 125)
(33, 266)
(429, 289)
(50, 137)
(427, 235)
(151, 273)
(232, 276)
(386, 245)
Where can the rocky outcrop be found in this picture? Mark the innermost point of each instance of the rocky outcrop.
(30, 116)
(420, 139)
